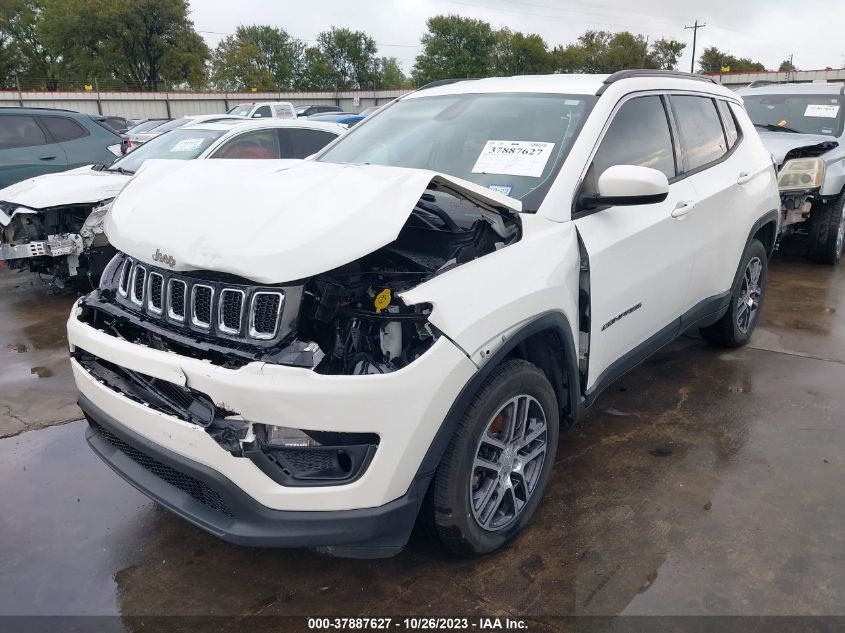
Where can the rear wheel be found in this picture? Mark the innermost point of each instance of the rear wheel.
(736, 326)
(494, 471)
(827, 232)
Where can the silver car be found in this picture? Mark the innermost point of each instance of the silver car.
(803, 126)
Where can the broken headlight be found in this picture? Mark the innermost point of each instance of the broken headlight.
(801, 173)
(294, 457)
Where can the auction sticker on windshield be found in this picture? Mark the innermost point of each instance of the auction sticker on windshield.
(513, 158)
(826, 111)
(187, 145)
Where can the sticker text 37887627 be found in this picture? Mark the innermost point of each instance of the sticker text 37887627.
(514, 158)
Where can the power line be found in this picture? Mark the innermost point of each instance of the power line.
(694, 28)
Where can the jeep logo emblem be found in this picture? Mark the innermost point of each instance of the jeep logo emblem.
(163, 258)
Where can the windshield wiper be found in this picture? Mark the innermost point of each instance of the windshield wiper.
(121, 170)
(771, 127)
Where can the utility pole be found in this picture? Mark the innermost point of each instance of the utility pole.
(694, 28)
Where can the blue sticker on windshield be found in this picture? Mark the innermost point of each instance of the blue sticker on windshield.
(505, 189)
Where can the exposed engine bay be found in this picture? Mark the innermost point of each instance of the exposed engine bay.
(347, 321)
(65, 243)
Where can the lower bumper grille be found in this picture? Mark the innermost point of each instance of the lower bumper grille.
(197, 489)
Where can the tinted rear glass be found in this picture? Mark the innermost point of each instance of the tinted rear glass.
(63, 128)
(702, 138)
(20, 131)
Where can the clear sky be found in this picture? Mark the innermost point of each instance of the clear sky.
(765, 30)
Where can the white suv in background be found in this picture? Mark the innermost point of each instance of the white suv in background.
(313, 354)
(265, 110)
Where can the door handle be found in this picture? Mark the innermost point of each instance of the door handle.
(46, 158)
(682, 208)
(743, 178)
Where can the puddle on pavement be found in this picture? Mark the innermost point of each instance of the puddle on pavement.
(41, 372)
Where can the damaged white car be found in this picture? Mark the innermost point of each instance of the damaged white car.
(311, 354)
(53, 224)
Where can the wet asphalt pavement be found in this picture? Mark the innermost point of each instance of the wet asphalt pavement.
(705, 482)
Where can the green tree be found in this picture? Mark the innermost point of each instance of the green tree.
(518, 54)
(712, 60)
(141, 43)
(455, 47)
(352, 56)
(390, 74)
(664, 54)
(36, 61)
(786, 66)
(262, 57)
(602, 52)
(317, 72)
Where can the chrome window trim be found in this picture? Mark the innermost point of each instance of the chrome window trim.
(251, 329)
(138, 301)
(170, 313)
(221, 326)
(150, 305)
(194, 320)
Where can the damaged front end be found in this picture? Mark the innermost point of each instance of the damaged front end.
(67, 243)
(349, 321)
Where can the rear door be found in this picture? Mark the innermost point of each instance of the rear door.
(638, 255)
(714, 164)
(26, 150)
(81, 146)
(302, 143)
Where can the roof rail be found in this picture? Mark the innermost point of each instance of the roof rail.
(38, 108)
(644, 72)
(443, 82)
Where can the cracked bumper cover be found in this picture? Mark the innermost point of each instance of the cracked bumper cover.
(363, 533)
(405, 408)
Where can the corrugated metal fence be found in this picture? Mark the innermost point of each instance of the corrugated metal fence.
(145, 105)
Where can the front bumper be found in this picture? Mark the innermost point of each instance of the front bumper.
(212, 502)
(405, 408)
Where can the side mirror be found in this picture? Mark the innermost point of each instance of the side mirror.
(627, 185)
(256, 116)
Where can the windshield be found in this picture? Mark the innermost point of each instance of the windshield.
(241, 110)
(146, 126)
(183, 144)
(808, 114)
(510, 143)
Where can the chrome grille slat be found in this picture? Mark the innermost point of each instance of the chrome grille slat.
(240, 312)
(139, 279)
(202, 301)
(177, 291)
(155, 297)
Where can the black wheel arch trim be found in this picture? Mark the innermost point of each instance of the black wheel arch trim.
(556, 322)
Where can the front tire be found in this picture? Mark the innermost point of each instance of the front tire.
(827, 232)
(495, 469)
(737, 325)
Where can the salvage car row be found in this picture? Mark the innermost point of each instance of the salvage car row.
(318, 353)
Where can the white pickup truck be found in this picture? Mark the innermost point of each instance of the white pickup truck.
(314, 354)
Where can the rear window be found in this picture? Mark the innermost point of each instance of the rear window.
(63, 129)
(806, 114)
(729, 122)
(20, 131)
(702, 138)
(146, 126)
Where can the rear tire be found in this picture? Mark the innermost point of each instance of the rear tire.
(827, 232)
(738, 323)
(495, 469)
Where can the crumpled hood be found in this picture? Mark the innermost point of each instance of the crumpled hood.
(75, 186)
(270, 221)
(780, 143)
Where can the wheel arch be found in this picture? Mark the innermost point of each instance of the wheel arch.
(546, 342)
(765, 229)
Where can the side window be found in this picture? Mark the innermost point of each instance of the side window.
(638, 135)
(731, 130)
(257, 144)
(63, 129)
(20, 131)
(298, 143)
(263, 112)
(702, 138)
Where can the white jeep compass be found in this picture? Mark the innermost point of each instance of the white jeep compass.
(313, 353)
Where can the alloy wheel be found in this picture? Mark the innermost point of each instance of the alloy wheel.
(508, 462)
(750, 294)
